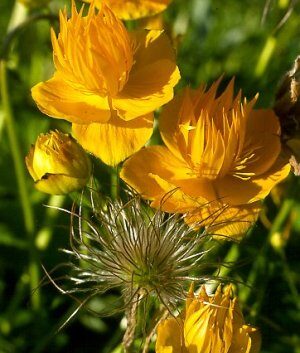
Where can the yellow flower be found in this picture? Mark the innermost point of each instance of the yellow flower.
(211, 324)
(57, 164)
(134, 9)
(107, 82)
(221, 158)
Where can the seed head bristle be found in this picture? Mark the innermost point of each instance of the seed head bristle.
(142, 252)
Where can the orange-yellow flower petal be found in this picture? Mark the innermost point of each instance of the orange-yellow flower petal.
(224, 221)
(134, 9)
(115, 140)
(152, 78)
(262, 130)
(58, 99)
(170, 336)
(100, 68)
(210, 324)
(228, 154)
(139, 171)
(235, 191)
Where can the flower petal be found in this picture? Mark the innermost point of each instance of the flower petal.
(235, 191)
(245, 339)
(198, 187)
(133, 9)
(255, 336)
(241, 341)
(262, 130)
(58, 184)
(138, 171)
(173, 114)
(29, 163)
(224, 221)
(197, 326)
(151, 78)
(115, 140)
(169, 336)
(60, 100)
(172, 199)
(278, 172)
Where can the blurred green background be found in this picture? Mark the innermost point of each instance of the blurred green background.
(254, 40)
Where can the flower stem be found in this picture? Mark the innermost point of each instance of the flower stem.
(21, 182)
(231, 257)
(260, 264)
(131, 316)
(115, 183)
(265, 56)
(282, 216)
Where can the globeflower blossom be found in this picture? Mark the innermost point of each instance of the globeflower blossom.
(134, 9)
(221, 159)
(213, 324)
(107, 82)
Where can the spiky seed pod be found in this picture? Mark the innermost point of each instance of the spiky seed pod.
(141, 252)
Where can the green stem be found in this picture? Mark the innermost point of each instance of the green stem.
(277, 228)
(44, 235)
(114, 183)
(260, 263)
(265, 56)
(21, 182)
(231, 257)
(13, 33)
(290, 280)
(282, 216)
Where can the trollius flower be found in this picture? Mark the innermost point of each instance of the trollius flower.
(221, 158)
(213, 324)
(109, 77)
(134, 9)
(57, 164)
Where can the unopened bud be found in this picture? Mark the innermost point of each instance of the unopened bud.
(58, 164)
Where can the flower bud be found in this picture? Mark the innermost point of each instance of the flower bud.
(58, 164)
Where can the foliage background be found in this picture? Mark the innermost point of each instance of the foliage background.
(235, 38)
